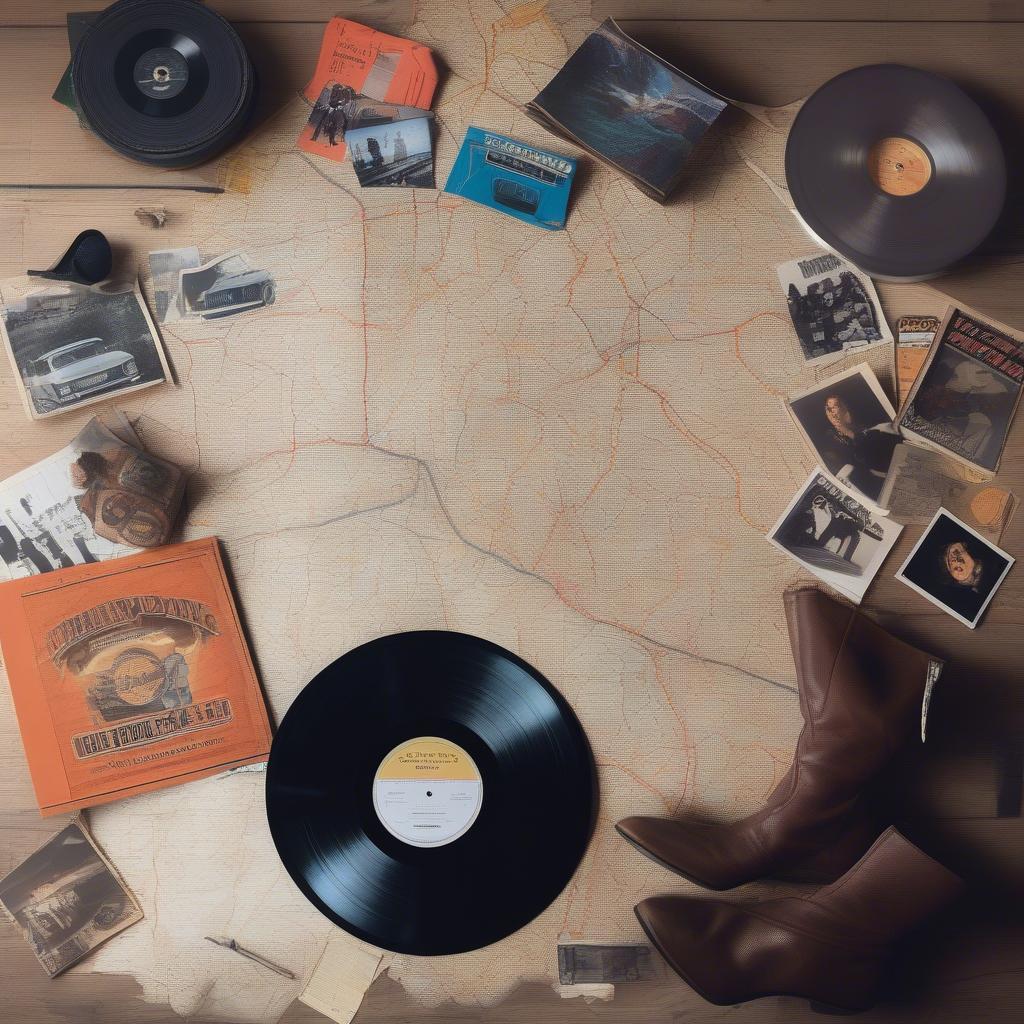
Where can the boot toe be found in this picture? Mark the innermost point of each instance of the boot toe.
(702, 853)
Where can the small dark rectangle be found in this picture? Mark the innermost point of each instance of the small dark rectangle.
(592, 964)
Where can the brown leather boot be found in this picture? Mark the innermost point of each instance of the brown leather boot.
(860, 697)
(830, 948)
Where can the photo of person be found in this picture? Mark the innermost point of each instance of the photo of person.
(832, 535)
(848, 423)
(955, 568)
(833, 306)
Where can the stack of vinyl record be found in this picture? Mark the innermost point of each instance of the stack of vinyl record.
(897, 170)
(164, 82)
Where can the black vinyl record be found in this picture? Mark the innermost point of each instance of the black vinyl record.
(430, 792)
(897, 170)
(165, 82)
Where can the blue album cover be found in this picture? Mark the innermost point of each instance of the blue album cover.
(511, 177)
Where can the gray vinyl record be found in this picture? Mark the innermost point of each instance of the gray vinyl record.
(896, 169)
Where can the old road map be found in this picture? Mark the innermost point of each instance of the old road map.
(571, 443)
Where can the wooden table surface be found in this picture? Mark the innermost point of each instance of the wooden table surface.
(765, 51)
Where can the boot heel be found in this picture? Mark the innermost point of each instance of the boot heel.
(832, 1011)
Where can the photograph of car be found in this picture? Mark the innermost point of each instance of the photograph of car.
(68, 374)
(72, 345)
(225, 286)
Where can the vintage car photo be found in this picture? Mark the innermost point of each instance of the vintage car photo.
(71, 345)
(225, 286)
(72, 372)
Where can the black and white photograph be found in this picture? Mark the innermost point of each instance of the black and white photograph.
(70, 345)
(67, 899)
(399, 153)
(100, 497)
(955, 568)
(847, 421)
(166, 266)
(832, 535)
(833, 305)
(225, 286)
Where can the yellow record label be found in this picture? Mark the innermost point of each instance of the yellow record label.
(427, 791)
(898, 166)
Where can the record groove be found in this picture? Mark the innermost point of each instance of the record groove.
(897, 170)
(493, 732)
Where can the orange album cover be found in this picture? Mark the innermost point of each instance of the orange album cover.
(130, 675)
(355, 61)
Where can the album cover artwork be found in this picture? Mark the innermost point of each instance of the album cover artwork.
(629, 108)
(130, 675)
(914, 336)
(847, 421)
(100, 497)
(964, 398)
(398, 153)
(955, 568)
(833, 305)
(832, 535)
(67, 899)
(358, 63)
(70, 345)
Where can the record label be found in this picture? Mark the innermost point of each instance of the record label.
(427, 792)
(899, 166)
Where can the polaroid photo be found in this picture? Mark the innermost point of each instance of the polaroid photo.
(848, 422)
(225, 286)
(955, 568)
(70, 345)
(832, 535)
(398, 153)
(166, 265)
(833, 305)
(67, 899)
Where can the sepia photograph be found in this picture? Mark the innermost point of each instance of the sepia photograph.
(67, 899)
(833, 306)
(847, 421)
(955, 568)
(70, 345)
(399, 153)
(832, 535)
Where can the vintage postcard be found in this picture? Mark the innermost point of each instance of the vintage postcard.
(130, 675)
(628, 108)
(358, 64)
(914, 336)
(70, 345)
(922, 480)
(832, 535)
(165, 266)
(833, 306)
(397, 153)
(67, 899)
(511, 177)
(847, 421)
(224, 286)
(955, 568)
(965, 397)
(99, 498)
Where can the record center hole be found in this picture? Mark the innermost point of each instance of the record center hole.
(161, 74)
(429, 793)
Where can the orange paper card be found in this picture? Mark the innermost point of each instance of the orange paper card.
(359, 61)
(130, 675)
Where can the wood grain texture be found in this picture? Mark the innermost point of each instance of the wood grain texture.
(392, 15)
(766, 51)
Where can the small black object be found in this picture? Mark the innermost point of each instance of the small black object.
(88, 260)
(508, 767)
(896, 169)
(164, 82)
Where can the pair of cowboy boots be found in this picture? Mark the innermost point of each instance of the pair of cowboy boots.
(861, 697)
